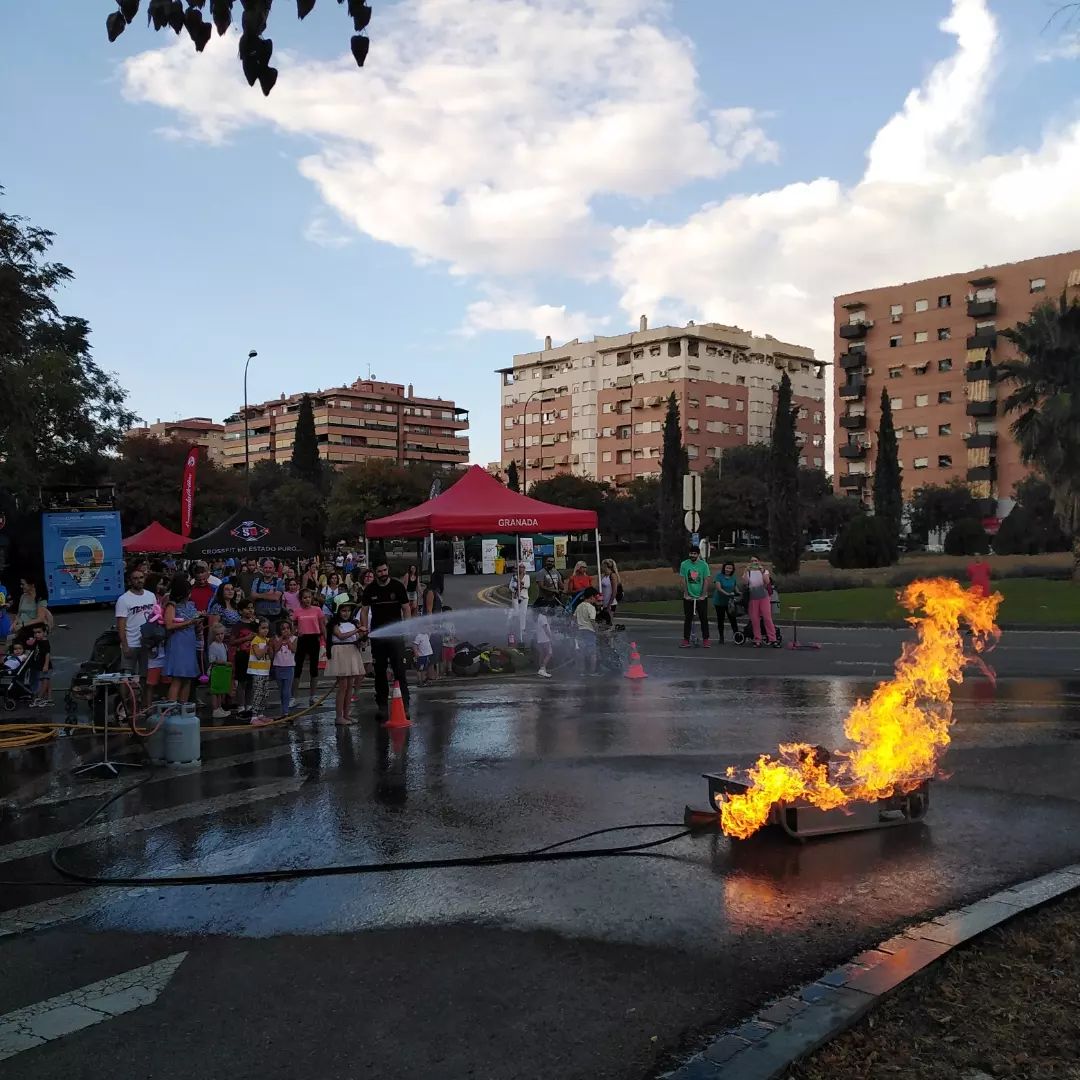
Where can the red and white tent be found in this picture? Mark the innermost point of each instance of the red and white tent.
(478, 503)
(155, 539)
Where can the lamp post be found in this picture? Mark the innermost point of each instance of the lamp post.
(247, 446)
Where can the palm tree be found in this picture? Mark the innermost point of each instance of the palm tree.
(1046, 396)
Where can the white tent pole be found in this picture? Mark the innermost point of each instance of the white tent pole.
(596, 534)
(433, 553)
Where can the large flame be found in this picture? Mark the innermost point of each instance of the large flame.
(899, 734)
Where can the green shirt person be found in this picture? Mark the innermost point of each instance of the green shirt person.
(695, 575)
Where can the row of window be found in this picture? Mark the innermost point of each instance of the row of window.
(921, 336)
(1035, 285)
(897, 371)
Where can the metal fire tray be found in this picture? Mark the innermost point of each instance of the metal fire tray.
(800, 820)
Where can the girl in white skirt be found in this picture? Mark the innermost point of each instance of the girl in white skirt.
(343, 662)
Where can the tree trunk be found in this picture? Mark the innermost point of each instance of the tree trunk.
(1076, 556)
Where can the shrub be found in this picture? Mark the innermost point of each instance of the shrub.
(967, 537)
(863, 542)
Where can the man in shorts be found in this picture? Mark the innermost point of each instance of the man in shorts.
(132, 609)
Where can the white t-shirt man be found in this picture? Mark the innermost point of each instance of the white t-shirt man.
(134, 607)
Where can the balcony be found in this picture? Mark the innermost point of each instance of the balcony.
(982, 472)
(981, 442)
(854, 481)
(853, 391)
(982, 339)
(981, 309)
(853, 423)
(979, 373)
(855, 331)
(853, 359)
(853, 451)
(981, 408)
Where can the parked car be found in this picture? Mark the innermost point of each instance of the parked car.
(821, 547)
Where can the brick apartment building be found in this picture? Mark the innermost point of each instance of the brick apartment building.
(596, 408)
(195, 430)
(369, 419)
(934, 344)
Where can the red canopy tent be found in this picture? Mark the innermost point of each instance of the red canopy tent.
(155, 539)
(478, 503)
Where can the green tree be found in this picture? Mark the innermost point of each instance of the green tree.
(254, 49)
(370, 489)
(62, 415)
(299, 506)
(937, 506)
(578, 492)
(672, 534)
(512, 481)
(1045, 396)
(735, 498)
(864, 542)
(888, 486)
(306, 462)
(630, 514)
(967, 537)
(785, 531)
(1033, 495)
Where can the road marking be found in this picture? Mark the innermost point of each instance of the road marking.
(37, 1024)
(38, 845)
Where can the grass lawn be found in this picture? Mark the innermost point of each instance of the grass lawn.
(1027, 600)
(1003, 1006)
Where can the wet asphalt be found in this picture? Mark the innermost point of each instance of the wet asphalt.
(607, 967)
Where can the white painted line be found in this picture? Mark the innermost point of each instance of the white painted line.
(38, 845)
(65, 1014)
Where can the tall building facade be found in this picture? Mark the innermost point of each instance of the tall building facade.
(368, 419)
(934, 345)
(196, 430)
(596, 408)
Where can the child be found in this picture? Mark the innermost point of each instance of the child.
(217, 656)
(311, 631)
(423, 659)
(14, 659)
(774, 601)
(155, 672)
(258, 669)
(449, 644)
(41, 665)
(284, 650)
(543, 643)
(242, 635)
(344, 663)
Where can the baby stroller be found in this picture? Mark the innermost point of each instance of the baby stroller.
(17, 686)
(745, 636)
(105, 659)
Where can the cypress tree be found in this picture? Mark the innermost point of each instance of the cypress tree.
(785, 531)
(512, 481)
(888, 487)
(673, 538)
(306, 463)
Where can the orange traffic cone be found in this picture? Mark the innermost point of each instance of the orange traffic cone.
(398, 719)
(635, 670)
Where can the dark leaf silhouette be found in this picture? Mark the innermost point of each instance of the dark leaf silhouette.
(114, 25)
(130, 8)
(360, 13)
(303, 8)
(157, 12)
(176, 15)
(359, 46)
(221, 13)
(267, 79)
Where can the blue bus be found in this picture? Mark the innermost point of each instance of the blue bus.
(84, 559)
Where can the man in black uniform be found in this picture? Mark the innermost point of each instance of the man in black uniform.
(383, 603)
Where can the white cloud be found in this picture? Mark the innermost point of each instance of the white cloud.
(327, 233)
(480, 132)
(502, 311)
(1066, 49)
(929, 202)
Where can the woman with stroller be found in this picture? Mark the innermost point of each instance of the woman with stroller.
(725, 597)
(33, 608)
(758, 582)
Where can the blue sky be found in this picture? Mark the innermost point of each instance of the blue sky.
(505, 168)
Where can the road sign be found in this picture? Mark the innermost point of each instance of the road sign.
(692, 521)
(691, 492)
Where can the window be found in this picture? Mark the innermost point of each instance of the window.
(1037, 284)
(691, 451)
(921, 336)
(944, 461)
(894, 342)
(944, 429)
(944, 365)
(508, 422)
(802, 414)
(921, 432)
(606, 455)
(674, 348)
(922, 400)
(738, 429)
(622, 357)
(921, 462)
(740, 406)
(895, 372)
(817, 418)
(899, 433)
(508, 444)
(921, 369)
(740, 380)
(639, 353)
(896, 403)
(692, 425)
(692, 347)
(654, 350)
(817, 463)
(944, 397)
(922, 305)
(944, 301)
(896, 310)
(944, 333)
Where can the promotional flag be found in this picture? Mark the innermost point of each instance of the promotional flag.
(187, 492)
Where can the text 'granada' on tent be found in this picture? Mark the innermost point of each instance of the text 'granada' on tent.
(478, 503)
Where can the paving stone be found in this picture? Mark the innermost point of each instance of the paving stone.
(842, 975)
(871, 958)
(63, 1021)
(753, 1031)
(895, 944)
(1037, 891)
(960, 926)
(697, 1068)
(725, 1048)
(815, 992)
(881, 979)
(779, 1012)
(123, 1001)
(15, 1040)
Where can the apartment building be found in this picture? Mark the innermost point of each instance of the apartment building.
(934, 344)
(596, 408)
(195, 430)
(368, 419)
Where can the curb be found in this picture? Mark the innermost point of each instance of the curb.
(791, 1027)
(834, 624)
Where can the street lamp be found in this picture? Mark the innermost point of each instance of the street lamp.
(556, 391)
(247, 447)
